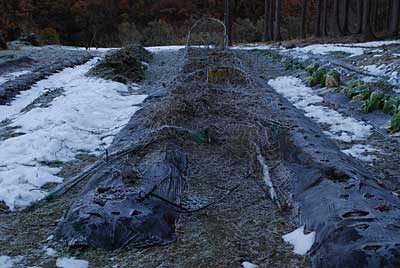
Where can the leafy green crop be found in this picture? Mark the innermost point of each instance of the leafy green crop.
(318, 77)
(293, 64)
(391, 105)
(312, 68)
(375, 102)
(395, 123)
(356, 89)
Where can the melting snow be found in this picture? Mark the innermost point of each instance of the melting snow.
(164, 48)
(10, 76)
(71, 263)
(9, 262)
(88, 114)
(251, 46)
(374, 43)
(355, 49)
(327, 48)
(247, 264)
(50, 251)
(341, 128)
(387, 70)
(302, 242)
(362, 152)
(375, 70)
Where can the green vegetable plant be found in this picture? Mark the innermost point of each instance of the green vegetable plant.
(391, 105)
(356, 89)
(318, 77)
(395, 123)
(293, 64)
(375, 101)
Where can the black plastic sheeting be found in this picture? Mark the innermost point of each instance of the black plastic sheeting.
(115, 211)
(357, 222)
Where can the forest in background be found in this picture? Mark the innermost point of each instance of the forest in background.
(110, 23)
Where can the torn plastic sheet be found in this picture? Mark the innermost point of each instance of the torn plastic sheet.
(115, 211)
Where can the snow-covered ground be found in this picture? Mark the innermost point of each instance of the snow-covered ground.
(154, 49)
(82, 120)
(323, 49)
(9, 262)
(71, 263)
(11, 76)
(62, 262)
(341, 128)
(353, 49)
(362, 152)
(387, 71)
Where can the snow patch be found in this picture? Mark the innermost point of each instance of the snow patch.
(9, 262)
(71, 263)
(251, 47)
(247, 264)
(375, 70)
(302, 242)
(362, 152)
(50, 251)
(355, 49)
(164, 48)
(11, 76)
(85, 118)
(322, 49)
(374, 43)
(341, 128)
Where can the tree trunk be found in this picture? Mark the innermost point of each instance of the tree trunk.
(345, 28)
(359, 16)
(366, 21)
(325, 19)
(319, 14)
(303, 19)
(337, 17)
(394, 19)
(266, 34)
(277, 32)
(271, 19)
(227, 19)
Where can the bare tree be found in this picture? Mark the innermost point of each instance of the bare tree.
(325, 18)
(394, 19)
(271, 19)
(359, 16)
(366, 21)
(345, 28)
(303, 19)
(277, 31)
(266, 33)
(228, 25)
(319, 14)
(337, 16)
